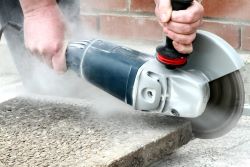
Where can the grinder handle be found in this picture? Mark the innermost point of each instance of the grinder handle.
(167, 54)
(177, 5)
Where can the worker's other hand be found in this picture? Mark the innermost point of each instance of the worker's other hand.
(44, 35)
(180, 26)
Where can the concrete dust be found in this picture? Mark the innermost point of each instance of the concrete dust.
(10, 81)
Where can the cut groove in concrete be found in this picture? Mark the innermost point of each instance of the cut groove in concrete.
(36, 133)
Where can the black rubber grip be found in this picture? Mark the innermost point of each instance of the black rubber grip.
(167, 54)
(181, 4)
(177, 5)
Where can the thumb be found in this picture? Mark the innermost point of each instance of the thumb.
(165, 10)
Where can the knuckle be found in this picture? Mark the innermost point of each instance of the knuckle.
(174, 37)
(189, 17)
(191, 49)
(187, 28)
(181, 49)
(57, 47)
(189, 40)
(185, 49)
(42, 51)
(182, 39)
(170, 34)
(54, 48)
(32, 49)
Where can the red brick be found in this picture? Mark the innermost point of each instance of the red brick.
(231, 9)
(142, 6)
(245, 41)
(229, 32)
(104, 5)
(133, 28)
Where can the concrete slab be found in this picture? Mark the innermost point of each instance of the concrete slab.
(42, 133)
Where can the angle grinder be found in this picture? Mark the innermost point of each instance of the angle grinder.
(205, 87)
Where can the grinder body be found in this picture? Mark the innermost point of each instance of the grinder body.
(139, 79)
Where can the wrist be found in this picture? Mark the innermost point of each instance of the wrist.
(31, 7)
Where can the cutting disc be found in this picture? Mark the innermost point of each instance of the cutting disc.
(224, 108)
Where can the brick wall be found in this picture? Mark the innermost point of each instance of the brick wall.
(135, 20)
(122, 19)
(229, 19)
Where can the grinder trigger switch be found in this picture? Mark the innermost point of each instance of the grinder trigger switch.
(167, 54)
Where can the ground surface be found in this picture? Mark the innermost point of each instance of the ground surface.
(232, 150)
(43, 133)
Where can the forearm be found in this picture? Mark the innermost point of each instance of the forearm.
(29, 6)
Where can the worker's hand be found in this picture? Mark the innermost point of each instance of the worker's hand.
(181, 25)
(44, 35)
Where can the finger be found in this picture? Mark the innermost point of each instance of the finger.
(48, 60)
(184, 49)
(157, 13)
(34, 51)
(59, 60)
(191, 15)
(182, 39)
(35, 54)
(163, 10)
(181, 28)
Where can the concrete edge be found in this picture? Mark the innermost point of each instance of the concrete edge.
(156, 150)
